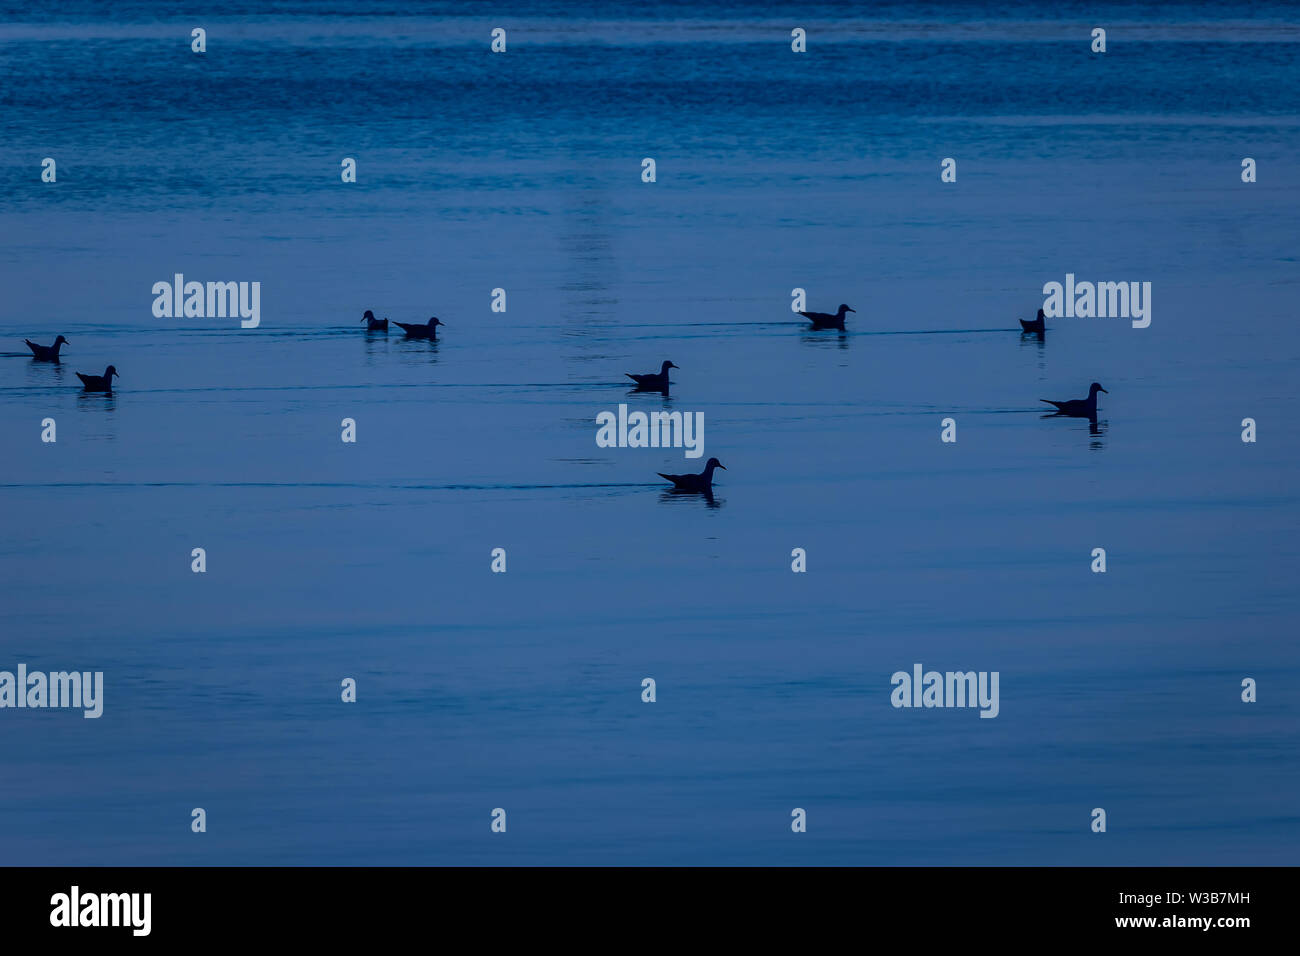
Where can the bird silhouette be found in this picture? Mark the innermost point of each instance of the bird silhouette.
(426, 331)
(1079, 407)
(99, 383)
(46, 353)
(653, 381)
(824, 320)
(1038, 324)
(373, 324)
(702, 482)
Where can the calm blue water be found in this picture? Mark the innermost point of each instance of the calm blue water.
(775, 171)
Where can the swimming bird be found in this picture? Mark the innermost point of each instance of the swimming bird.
(1036, 325)
(46, 353)
(373, 324)
(658, 381)
(1079, 407)
(701, 482)
(824, 320)
(99, 383)
(427, 331)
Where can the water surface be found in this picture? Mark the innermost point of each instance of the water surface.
(522, 690)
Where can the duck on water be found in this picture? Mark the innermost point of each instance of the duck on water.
(46, 353)
(427, 331)
(99, 383)
(653, 381)
(824, 320)
(1078, 407)
(702, 482)
(1038, 324)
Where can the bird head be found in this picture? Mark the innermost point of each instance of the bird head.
(845, 308)
(436, 321)
(60, 340)
(1094, 388)
(1041, 316)
(110, 372)
(667, 365)
(714, 463)
(368, 317)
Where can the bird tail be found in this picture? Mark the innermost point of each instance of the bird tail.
(663, 476)
(1050, 402)
(630, 375)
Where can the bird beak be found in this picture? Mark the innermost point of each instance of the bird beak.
(1103, 390)
(722, 466)
(852, 310)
